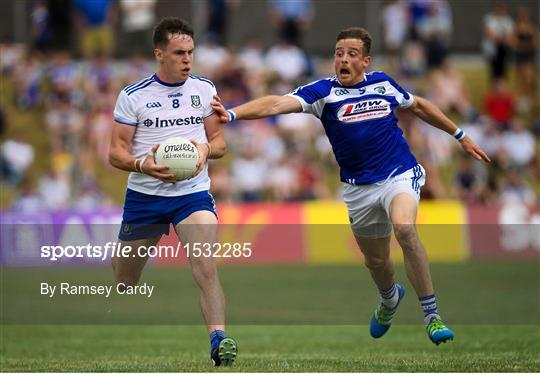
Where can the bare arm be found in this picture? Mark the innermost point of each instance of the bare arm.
(259, 108)
(120, 155)
(216, 146)
(428, 112)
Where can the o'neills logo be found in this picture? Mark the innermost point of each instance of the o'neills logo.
(179, 147)
(364, 110)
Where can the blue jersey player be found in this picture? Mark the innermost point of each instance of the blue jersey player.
(171, 103)
(382, 178)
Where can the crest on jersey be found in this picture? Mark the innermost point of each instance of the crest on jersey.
(195, 101)
(380, 89)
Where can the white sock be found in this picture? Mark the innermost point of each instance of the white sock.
(390, 297)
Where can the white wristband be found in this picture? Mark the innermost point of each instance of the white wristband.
(232, 115)
(459, 134)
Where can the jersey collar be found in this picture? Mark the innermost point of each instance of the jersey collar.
(155, 77)
(357, 85)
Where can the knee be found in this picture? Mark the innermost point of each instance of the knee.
(376, 263)
(406, 235)
(204, 271)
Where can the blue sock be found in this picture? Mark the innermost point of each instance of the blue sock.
(215, 337)
(429, 305)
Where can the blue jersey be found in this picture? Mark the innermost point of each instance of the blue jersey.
(361, 125)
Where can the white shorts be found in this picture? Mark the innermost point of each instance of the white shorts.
(369, 205)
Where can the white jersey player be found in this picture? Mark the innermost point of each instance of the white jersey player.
(171, 103)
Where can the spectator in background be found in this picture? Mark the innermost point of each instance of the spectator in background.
(446, 88)
(290, 18)
(99, 78)
(28, 199)
(89, 197)
(251, 55)
(395, 24)
(16, 158)
(249, 172)
(499, 104)
(413, 54)
(491, 139)
(40, 26)
(288, 61)
(211, 58)
(61, 24)
(94, 19)
(498, 29)
(516, 190)
(98, 133)
(137, 68)
(28, 76)
(233, 80)
(310, 180)
(468, 181)
(283, 179)
(54, 189)
(63, 75)
(64, 124)
(525, 40)
(435, 30)
(519, 144)
(2, 120)
(138, 19)
(222, 187)
(217, 21)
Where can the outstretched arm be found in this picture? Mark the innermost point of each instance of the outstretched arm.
(428, 112)
(259, 108)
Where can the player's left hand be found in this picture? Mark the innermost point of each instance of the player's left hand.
(220, 109)
(203, 149)
(474, 149)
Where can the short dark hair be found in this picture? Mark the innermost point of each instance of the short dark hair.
(170, 25)
(357, 33)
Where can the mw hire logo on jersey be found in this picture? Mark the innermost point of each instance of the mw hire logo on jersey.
(158, 122)
(364, 110)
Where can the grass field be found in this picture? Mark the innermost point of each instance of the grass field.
(270, 348)
(285, 318)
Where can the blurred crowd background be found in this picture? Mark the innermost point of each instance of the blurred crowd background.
(60, 83)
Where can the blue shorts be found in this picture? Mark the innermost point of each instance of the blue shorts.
(148, 216)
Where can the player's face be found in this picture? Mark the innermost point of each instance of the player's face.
(176, 59)
(349, 61)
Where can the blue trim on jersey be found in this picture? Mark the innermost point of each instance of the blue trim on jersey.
(140, 87)
(414, 178)
(125, 123)
(136, 84)
(314, 91)
(156, 78)
(203, 79)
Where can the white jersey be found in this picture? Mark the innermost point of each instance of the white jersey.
(161, 110)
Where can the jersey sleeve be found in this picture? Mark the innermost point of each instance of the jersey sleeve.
(209, 96)
(311, 96)
(403, 97)
(124, 111)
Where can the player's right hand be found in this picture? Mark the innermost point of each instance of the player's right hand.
(474, 149)
(220, 109)
(149, 167)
